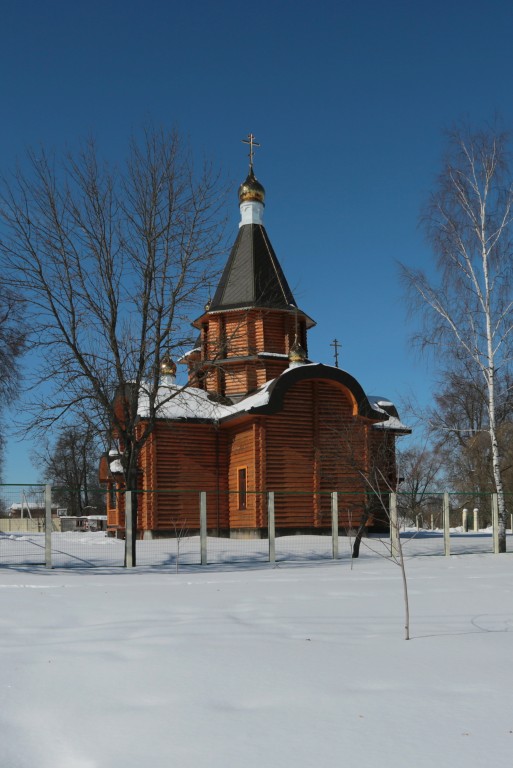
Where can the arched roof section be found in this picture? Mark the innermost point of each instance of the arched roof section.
(278, 388)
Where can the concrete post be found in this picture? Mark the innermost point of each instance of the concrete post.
(203, 527)
(476, 520)
(447, 530)
(270, 527)
(394, 526)
(464, 520)
(48, 526)
(129, 531)
(334, 525)
(495, 523)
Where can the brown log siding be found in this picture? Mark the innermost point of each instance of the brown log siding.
(244, 334)
(189, 458)
(241, 453)
(314, 446)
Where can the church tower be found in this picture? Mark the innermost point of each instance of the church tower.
(252, 327)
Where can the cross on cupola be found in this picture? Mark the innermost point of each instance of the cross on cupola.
(336, 344)
(251, 192)
(252, 143)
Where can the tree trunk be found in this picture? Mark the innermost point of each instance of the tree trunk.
(131, 485)
(490, 381)
(359, 535)
(497, 476)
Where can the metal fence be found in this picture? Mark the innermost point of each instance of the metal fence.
(33, 535)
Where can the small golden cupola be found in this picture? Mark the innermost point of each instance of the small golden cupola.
(251, 191)
(167, 370)
(297, 355)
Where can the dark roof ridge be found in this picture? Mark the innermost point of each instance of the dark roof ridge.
(279, 386)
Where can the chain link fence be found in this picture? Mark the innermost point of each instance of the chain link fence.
(35, 531)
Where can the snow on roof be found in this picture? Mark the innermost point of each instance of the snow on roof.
(176, 402)
(380, 401)
(17, 506)
(188, 353)
(383, 405)
(116, 467)
(258, 398)
(394, 424)
(273, 354)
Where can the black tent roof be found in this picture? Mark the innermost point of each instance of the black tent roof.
(253, 276)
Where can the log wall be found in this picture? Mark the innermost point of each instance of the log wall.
(115, 507)
(230, 337)
(241, 454)
(189, 458)
(314, 446)
(317, 444)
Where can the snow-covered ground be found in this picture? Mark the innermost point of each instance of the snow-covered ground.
(80, 549)
(296, 665)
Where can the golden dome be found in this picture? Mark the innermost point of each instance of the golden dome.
(167, 366)
(251, 190)
(296, 353)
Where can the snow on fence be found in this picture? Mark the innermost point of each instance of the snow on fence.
(33, 532)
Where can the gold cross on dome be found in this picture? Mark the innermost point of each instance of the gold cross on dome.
(252, 143)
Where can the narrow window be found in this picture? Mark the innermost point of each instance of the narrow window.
(242, 474)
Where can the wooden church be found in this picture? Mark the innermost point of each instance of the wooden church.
(258, 415)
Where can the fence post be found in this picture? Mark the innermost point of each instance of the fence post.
(203, 527)
(464, 520)
(270, 526)
(394, 526)
(447, 530)
(48, 526)
(129, 531)
(334, 524)
(495, 523)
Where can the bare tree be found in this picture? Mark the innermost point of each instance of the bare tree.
(71, 465)
(182, 533)
(458, 425)
(374, 481)
(419, 470)
(111, 262)
(12, 345)
(382, 502)
(467, 310)
(12, 340)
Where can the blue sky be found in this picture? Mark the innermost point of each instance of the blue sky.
(349, 102)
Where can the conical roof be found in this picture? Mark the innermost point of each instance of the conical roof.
(253, 276)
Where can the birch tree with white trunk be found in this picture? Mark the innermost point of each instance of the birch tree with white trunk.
(466, 307)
